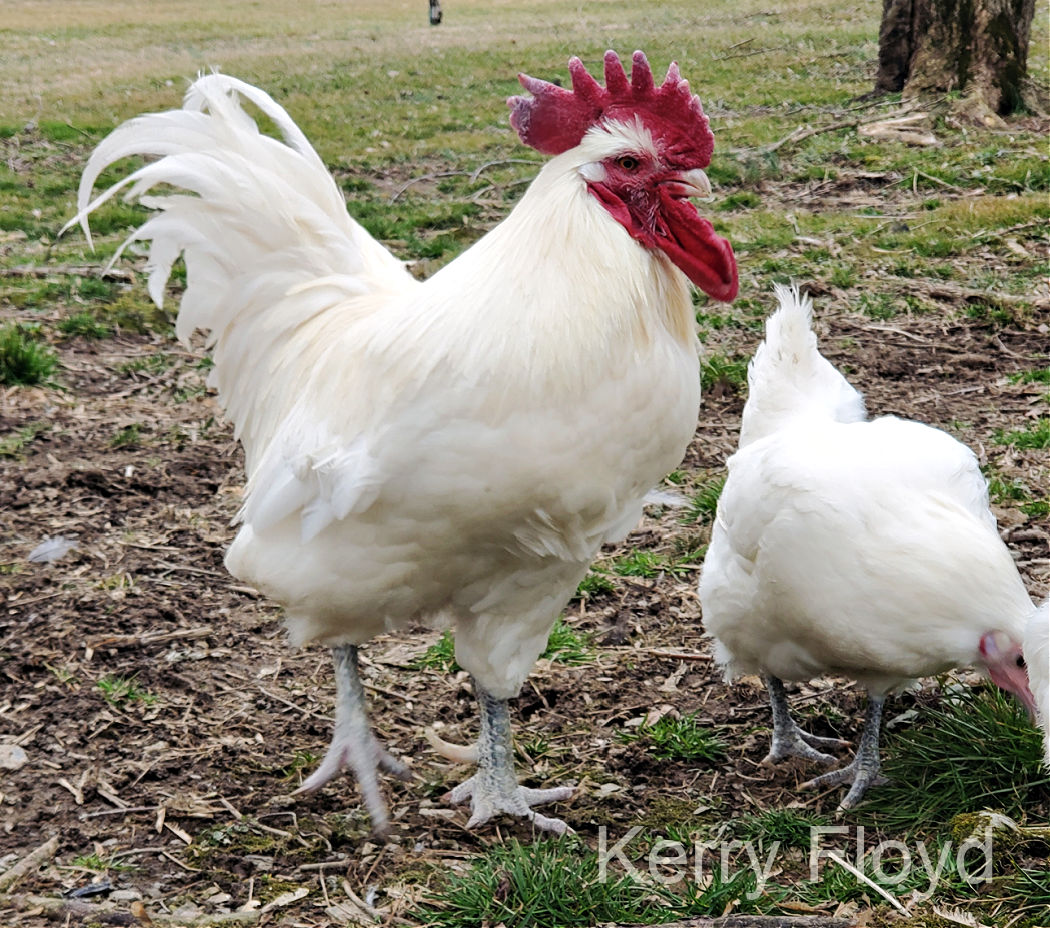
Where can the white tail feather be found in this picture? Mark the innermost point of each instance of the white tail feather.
(789, 378)
(263, 229)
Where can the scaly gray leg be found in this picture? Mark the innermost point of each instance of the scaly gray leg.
(353, 743)
(494, 788)
(788, 739)
(863, 770)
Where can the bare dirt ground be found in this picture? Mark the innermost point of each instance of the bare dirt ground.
(186, 781)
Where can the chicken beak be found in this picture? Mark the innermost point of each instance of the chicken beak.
(692, 183)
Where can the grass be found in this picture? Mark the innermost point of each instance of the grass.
(791, 827)
(596, 583)
(1036, 437)
(99, 864)
(560, 882)
(128, 437)
(565, 645)
(85, 325)
(25, 359)
(14, 443)
(386, 100)
(653, 564)
(723, 373)
(1036, 375)
(119, 691)
(975, 749)
(704, 502)
(680, 739)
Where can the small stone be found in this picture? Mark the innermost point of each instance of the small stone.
(125, 895)
(12, 757)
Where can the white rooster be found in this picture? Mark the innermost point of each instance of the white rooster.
(842, 545)
(452, 449)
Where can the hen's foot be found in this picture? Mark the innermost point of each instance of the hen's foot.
(494, 789)
(788, 739)
(863, 771)
(353, 743)
(487, 801)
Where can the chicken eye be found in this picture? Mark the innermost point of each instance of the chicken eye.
(628, 162)
(1020, 662)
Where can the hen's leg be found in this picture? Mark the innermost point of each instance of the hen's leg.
(863, 770)
(788, 739)
(494, 788)
(353, 743)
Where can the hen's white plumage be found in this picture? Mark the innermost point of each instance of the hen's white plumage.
(456, 449)
(847, 546)
(1037, 659)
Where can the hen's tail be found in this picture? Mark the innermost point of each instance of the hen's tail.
(271, 253)
(788, 377)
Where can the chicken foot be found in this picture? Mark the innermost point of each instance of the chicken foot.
(354, 745)
(494, 789)
(788, 739)
(863, 770)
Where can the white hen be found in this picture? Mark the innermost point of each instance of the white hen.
(458, 447)
(852, 547)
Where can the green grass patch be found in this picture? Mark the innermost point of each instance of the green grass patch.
(790, 827)
(704, 502)
(726, 374)
(14, 443)
(652, 564)
(565, 645)
(119, 691)
(128, 437)
(1038, 375)
(596, 583)
(25, 359)
(83, 324)
(681, 739)
(100, 864)
(975, 749)
(1036, 437)
(560, 882)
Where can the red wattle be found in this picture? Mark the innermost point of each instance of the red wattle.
(689, 240)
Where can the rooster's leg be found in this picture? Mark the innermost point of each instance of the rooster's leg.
(353, 743)
(788, 739)
(863, 770)
(494, 788)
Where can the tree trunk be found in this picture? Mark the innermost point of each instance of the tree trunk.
(978, 48)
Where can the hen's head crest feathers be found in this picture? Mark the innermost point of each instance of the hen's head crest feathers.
(554, 119)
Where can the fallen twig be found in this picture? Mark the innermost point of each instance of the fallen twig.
(122, 641)
(113, 913)
(31, 861)
(424, 177)
(72, 270)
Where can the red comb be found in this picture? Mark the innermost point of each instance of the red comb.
(554, 119)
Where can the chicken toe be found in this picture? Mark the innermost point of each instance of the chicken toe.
(494, 789)
(861, 772)
(353, 743)
(788, 739)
